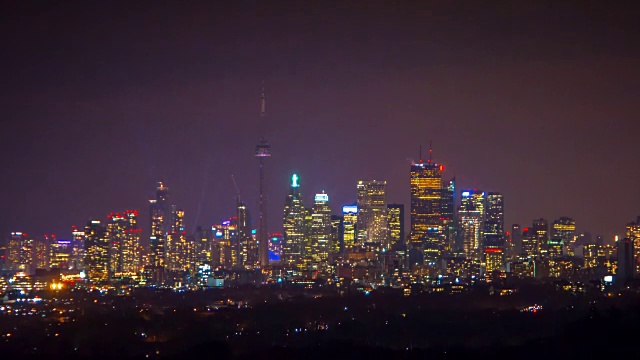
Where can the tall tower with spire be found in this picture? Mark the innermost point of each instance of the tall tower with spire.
(426, 210)
(263, 151)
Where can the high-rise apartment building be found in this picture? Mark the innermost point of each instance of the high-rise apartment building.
(160, 213)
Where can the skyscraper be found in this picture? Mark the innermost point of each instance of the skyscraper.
(530, 244)
(248, 247)
(448, 209)
(395, 220)
(179, 249)
(541, 230)
(337, 236)
(633, 233)
(563, 236)
(41, 252)
(626, 261)
(60, 253)
(78, 252)
(516, 239)
(471, 215)
(427, 234)
(20, 252)
(160, 212)
(350, 225)
(493, 232)
(124, 237)
(293, 224)
(96, 245)
(321, 229)
(372, 217)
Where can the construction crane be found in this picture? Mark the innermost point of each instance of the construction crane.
(235, 185)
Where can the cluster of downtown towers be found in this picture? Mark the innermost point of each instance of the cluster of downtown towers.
(466, 237)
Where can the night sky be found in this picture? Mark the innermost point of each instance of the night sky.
(538, 100)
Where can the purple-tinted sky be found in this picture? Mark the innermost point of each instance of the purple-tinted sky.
(538, 100)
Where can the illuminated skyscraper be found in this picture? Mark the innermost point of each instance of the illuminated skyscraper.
(350, 225)
(248, 248)
(633, 233)
(449, 217)
(562, 237)
(124, 237)
(494, 220)
(275, 246)
(530, 244)
(60, 252)
(20, 252)
(493, 232)
(427, 233)
(308, 247)
(541, 230)
(202, 247)
(179, 250)
(293, 224)
(160, 225)
(321, 229)
(226, 235)
(78, 253)
(471, 215)
(96, 245)
(337, 235)
(41, 251)
(395, 219)
(372, 212)
(516, 239)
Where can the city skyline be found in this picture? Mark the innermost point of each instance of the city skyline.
(93, 130)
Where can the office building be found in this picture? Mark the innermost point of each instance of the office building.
(350, 226)
(20, 252)
(541, 230)
(564, 231)
(96, 243)
(449, 223)
(395, 220)
(293, 224)
(124, 237)
(516, 239)
(372, 212)
(427, 233)
(471, 214)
